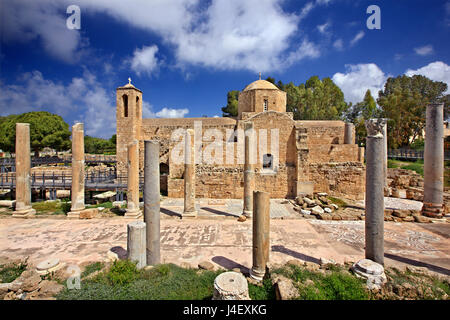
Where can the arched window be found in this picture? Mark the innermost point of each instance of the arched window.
(137, 107)
(125, 105)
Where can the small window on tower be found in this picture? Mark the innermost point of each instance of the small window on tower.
(266, 104)
(125, 105)
(137, 107)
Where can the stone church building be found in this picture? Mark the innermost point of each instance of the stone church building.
(312, 155)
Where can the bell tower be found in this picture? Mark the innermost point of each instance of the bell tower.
(128, 121)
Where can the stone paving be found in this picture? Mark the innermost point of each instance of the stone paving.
(225, 242)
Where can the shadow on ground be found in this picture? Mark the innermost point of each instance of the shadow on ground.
(229, 264)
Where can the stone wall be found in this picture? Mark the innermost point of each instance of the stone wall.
(345, 180)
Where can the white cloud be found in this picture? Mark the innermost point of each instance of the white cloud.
(437, 71)
(172, 113)
(358, 78)
(424, 51)
(358, 37)
(338, 45)
(23, 21)
(147, 112)
(145, 61)
(83, 96)
(228, 35)
(305, 50)
(323, 27)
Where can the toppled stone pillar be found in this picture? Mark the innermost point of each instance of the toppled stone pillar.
(23, 172)
(189, 176)
(249, 174)
(434, 162)
(133, 181)
(349, 138)
(136, 244)
(230, 286)
(261, 234)
(374, 221)
(151, 201)
(77, 171)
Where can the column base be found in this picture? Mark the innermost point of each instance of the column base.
(432, 210)
(256, 274)
(247, 213)
(189, 214)
(133, 213)
(74, 214)
(24, 213)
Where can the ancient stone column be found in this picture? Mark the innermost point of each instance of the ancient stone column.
(349, 137)
(385, 152)
(133, 181)
(434, 162)
(361, 154)
(136, 243)
(77, 171)
(189, 176)
(261, 233)
(249, 174)
(151, 201)
(374, 221)
(23, 172)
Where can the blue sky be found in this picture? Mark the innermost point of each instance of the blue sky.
(186, 54)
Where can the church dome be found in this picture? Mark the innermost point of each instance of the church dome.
(260, 84)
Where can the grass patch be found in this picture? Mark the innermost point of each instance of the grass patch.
(9, 273)
(426, 286)
(91, 268)
(264, 292)
(163, 282)
(51, 207)
(335, 285)
(341, 203)
(393, 164)
(107, 205)
(415, 166)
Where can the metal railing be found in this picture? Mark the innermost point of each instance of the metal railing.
(412, 154)
(37, 161)
(105, 179)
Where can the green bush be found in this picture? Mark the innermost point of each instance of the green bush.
(122, 272)
(418, 144)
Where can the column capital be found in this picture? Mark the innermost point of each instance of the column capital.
(375, 127)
